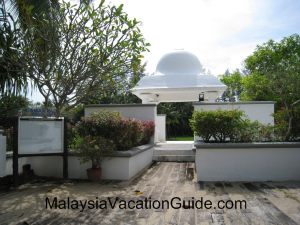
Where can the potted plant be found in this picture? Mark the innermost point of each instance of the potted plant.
(94, 148)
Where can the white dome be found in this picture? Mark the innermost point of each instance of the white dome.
(179, 62)
(179, 77)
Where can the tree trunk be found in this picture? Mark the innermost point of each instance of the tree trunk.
(45, 107)
(289, 131)
(57, 111)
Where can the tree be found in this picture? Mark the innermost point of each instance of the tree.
(120, 93)
(11, 104)
(277, 66)
(177, 117)
(96, 48)
(15, 17)
(256, 87)
(13, 79)
(234, 83)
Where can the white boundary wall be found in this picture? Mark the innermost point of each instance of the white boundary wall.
(257, 110)
(248, 162)
(133, 111)
(113, 168)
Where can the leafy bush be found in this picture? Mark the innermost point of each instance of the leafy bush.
(282, 124)
(248, 131)
(11, 104)
(130, 134)
(177, 117)
(102, 123)
(233, 126)
(221, 125)
(253, 131)
(94, 148)
(148, 131)
(124, 133)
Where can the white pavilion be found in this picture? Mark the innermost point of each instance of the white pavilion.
(179, 77)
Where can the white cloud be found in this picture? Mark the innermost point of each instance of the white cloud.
(196, 25)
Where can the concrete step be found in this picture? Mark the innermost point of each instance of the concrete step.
(174, 155)
(173, 152)
(174, 158)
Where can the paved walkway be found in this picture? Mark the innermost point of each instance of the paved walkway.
(267, 203)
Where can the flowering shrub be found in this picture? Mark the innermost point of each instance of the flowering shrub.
(130, 134)
(124, 133)
(102, 123)
(148, 131)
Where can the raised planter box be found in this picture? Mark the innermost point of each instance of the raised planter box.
(247, 161)
(122, 165)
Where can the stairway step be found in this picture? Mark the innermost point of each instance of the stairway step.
(173, 152)
(174, 158)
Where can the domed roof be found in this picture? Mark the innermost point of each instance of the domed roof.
(179, 77)
(179, 62)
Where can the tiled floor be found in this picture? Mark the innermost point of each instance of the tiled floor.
(267, 203)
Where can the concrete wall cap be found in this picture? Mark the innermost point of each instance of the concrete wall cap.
(233, 103)
(120, 105)
(201, 145)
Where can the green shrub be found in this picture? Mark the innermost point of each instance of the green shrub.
(233, 126)
(248, 131)
(219, 125)
(91, 148)
(282, 123)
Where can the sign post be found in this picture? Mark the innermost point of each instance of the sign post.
(40, 137)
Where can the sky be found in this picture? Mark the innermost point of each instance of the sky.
(222, 33)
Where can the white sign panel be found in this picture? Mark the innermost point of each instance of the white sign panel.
(37, 136)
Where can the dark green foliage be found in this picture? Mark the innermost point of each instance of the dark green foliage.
(119, 93)
(75, 114)
(8, 124)
(233, 126)
(91, 148)
(274, 68)
(98, 45)
(257, 88)
(13, 78)
(221, 125)
(247, 131)
(281, 121)
(11, 104)
(178, 115)
(234, 84)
